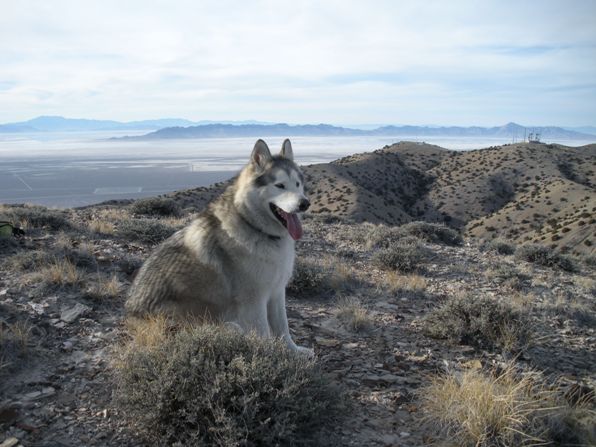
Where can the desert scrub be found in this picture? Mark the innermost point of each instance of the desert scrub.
(208, 385)
(29, 260)
(310, 278)
(58, 273)
(156, 206)
(541, 255)
(148, 231)
(482, 322)
(508, 275)
(103, 287)
(14, 344)
(412, 285)
(352, 314)
(102, 227)
(39, 217)
(432, 232)
(478, 409)
(403, 255)
(501, 247)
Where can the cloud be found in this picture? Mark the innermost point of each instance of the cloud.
(379, 61)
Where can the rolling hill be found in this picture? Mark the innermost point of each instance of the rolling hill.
(526, 192)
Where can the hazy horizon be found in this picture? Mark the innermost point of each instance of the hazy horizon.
(249, 120)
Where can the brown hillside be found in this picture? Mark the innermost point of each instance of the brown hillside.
(524, 192)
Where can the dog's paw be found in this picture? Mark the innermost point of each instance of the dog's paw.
(307, 352)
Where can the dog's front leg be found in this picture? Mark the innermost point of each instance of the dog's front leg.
(278, 321)
(251, 316)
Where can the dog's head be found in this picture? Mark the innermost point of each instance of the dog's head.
(278, 186)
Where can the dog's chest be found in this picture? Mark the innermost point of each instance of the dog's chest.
(270, 267)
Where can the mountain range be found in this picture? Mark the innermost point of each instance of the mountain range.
(510, 130)
(176, 128)
(61, 124)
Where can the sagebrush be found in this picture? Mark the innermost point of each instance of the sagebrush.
(209, 385)
(478, 321)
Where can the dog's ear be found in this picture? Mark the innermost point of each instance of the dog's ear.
(286, 150)
(260, 155)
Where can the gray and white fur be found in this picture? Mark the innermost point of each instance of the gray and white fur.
(232, 263)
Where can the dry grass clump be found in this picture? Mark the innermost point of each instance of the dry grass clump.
(411, 284)
(60, 272)
(156, 206)
(353, 314)
(541, 255)
(14, 342)
(209, 385)
(101, 226)
(404, 256)
(482, 322)
(145, 230)
(104, 287)
(476, 409)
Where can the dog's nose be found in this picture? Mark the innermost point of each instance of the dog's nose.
(303, 205)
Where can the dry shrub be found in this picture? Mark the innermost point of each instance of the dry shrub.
(38, 217)
(508, 276)
(209, 385)
(156, 206)
(29, 260)
(353, 314)
(310, 278)
(503, 409)
(541, 255)
(501, 247)
(432, 232)
(482, 322)
(145, 230)
(405, 255)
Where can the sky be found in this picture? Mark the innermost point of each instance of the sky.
(339, 62)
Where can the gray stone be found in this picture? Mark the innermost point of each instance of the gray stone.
(73, 313)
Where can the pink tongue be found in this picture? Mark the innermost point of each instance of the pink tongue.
(294, 225)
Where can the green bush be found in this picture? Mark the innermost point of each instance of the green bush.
(541, 255)
(207, 385)
(145, 230)
(481, 322)
(156, 206)
(405, 256)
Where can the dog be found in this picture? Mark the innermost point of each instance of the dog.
(233, 262)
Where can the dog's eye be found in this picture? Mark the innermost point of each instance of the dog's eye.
(297, 184)
(280, 185)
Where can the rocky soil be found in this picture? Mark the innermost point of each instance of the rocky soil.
(56, 388)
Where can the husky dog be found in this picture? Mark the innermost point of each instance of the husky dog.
(233, 262)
